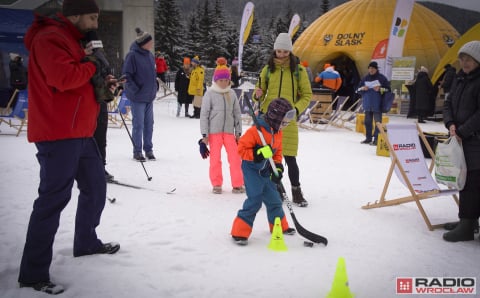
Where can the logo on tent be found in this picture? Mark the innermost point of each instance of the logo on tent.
(400, 27)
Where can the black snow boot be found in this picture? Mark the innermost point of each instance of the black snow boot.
(462, 232)
(452, 225)
(298, 198)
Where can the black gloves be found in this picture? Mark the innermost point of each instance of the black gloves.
(102, 89)
(204, 152)
(276, 179)
(262, 152)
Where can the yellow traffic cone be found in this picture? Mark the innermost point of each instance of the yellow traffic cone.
(277, 243)
(340, 287)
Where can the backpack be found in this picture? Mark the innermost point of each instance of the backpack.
(387, 101)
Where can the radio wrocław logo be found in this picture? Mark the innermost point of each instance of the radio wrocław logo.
(437, 285)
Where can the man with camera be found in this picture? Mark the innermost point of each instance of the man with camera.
(62, 114)
(103, 82)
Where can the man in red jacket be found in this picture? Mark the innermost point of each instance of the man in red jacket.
(62, 116)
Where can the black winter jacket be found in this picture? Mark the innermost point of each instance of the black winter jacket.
(462, 108)
(181, 86)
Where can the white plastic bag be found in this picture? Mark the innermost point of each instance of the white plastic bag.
(450, 165)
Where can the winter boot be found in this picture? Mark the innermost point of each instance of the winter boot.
(186, 111)
(240, 240)
(452, 225)
(179, 108)
(44, 286)
(298, 198)
(462, 232)
(196, 113)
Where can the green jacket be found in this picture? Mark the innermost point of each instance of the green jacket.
(280, 85)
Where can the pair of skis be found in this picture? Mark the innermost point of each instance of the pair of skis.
(113, 200)
(314, 238)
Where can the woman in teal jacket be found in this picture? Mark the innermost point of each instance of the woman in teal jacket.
(283, 76)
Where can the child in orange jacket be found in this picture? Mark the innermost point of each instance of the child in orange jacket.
(260, 182)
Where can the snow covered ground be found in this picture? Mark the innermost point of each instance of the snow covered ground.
(178, 245)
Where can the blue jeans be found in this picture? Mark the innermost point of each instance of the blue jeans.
(62, 162)
(142, 126)
(369, 117)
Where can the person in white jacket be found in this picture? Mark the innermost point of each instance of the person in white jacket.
(221, 125)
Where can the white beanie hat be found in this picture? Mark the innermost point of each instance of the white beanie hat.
(283, 42)
(471, 48)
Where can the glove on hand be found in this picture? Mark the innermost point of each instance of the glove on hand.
(277, 179)
(204, 152)
(262, 152)
(101, 88)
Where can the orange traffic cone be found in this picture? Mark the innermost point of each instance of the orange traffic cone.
(340, 287)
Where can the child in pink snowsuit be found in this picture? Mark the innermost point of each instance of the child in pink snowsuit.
(221, 125)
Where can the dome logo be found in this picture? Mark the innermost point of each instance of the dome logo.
(400, 27)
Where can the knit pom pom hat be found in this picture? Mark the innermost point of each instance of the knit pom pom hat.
(196, 60)
(221, 72)
(79, 7)
(142, 37)
(221, 61)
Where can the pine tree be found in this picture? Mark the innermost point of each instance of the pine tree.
(207, 50)
(192, 38)
(254, 56)
(168, 31)
(325, 6)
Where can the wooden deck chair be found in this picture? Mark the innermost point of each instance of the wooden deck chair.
(304, 120)
(318, 112)
(8, 109)
(410, 166)
(18, 117)
(112, 108)
(349, 116)
(243, 95)
(321, 112)
(337, 112)
(167, 91)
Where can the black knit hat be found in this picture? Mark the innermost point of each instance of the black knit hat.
(79, 7)
(373, 64)
(276, 112)
(142, 37)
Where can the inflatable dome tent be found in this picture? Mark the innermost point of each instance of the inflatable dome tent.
(349, 34)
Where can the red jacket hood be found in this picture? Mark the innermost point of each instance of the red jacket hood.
(40, 22)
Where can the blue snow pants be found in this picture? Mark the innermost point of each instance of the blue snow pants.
(61, 163)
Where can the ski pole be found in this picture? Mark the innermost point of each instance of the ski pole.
(133, 143)
(301, 230)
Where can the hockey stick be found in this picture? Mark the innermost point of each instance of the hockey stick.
(301, 230)
(149, 178)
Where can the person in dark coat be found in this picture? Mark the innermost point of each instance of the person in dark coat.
(461, 115)
(141, 89)
(448, 77)
(424, 95)
(18, 72)
(182, 80)
(372, 86)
